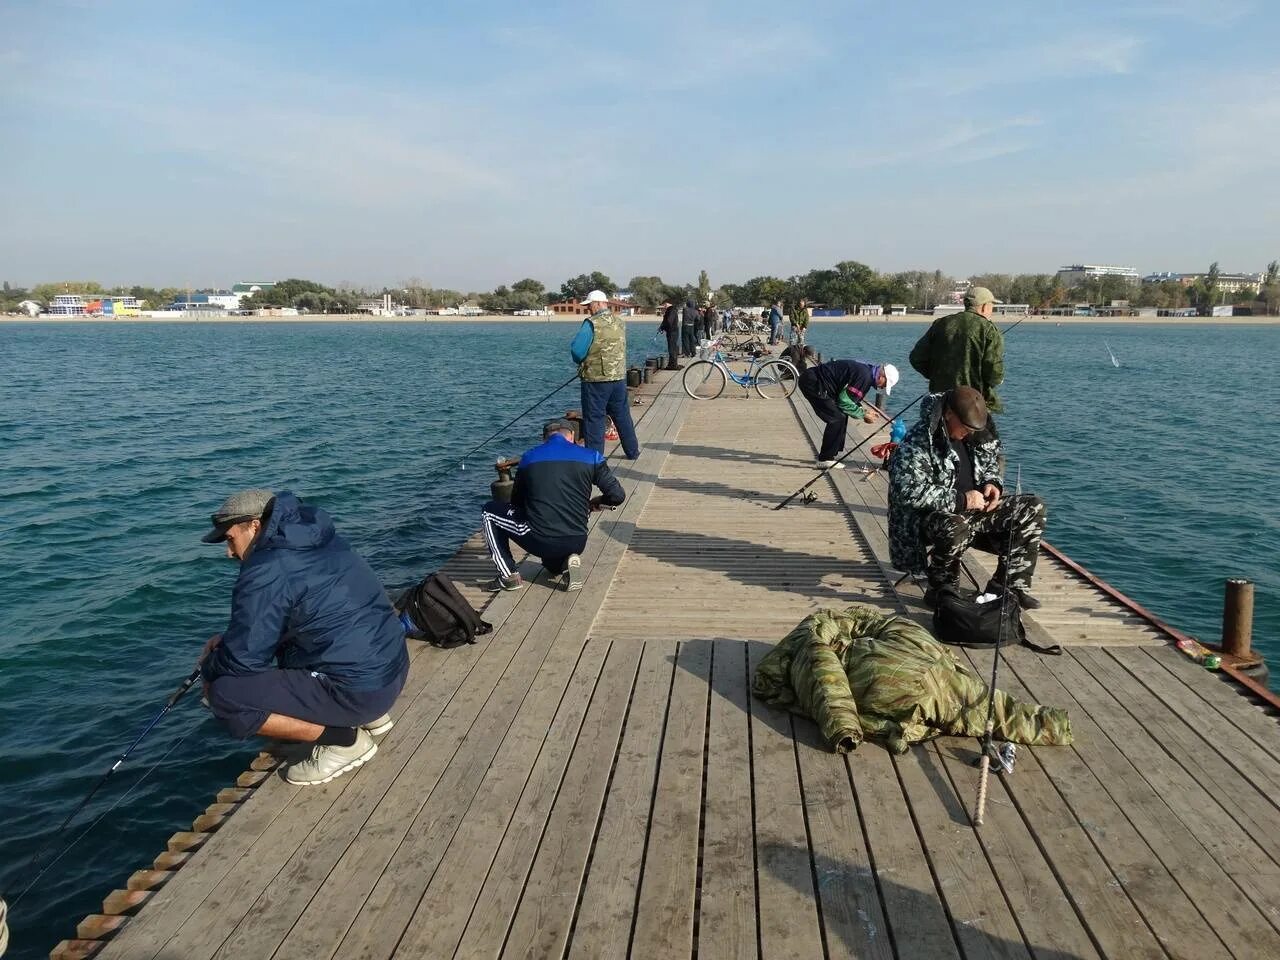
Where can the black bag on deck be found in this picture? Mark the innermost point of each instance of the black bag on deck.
(441, 615)
(962, 622)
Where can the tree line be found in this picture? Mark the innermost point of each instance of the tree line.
(846, 285)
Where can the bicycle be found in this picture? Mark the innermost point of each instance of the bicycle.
(773, 379)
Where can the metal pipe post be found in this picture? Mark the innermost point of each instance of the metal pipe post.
(1237, 619)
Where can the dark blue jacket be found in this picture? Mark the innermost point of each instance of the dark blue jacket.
(305, 600)
(856, 376)
(553, 487)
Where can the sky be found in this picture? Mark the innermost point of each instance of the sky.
(470, 144)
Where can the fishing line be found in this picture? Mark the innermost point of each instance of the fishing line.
(101, 817)
(885, 420)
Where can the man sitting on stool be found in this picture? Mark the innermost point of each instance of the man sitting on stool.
(314, 651)
(548, 511)
(945, 493)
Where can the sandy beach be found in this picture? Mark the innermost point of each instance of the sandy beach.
(642, 318)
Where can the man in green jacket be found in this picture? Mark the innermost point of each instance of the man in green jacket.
(964, 350)
(859, 672)
(600, 351)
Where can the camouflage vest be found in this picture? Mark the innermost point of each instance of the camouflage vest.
(607, 358)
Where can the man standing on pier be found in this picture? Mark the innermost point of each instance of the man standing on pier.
(548, 511)
(670, 326)
(945, 493)
(600, 351)
(314, 652)
(964, 349)
(689, 328)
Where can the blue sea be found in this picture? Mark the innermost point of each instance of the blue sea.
(118, 440)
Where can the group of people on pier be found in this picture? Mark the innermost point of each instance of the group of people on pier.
(314, 651)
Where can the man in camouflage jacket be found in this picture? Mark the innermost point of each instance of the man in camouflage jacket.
(945, 493)
(858, 672)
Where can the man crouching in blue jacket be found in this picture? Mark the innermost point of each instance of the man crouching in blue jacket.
(314, 652)
(548, 511)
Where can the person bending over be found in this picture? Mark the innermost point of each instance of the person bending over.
(548, 511)
(314, 652)
(945, 493)
(836, 387)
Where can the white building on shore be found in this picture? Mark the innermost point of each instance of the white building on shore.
(1080, 273)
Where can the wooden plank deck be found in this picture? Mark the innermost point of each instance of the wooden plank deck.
(594, 779)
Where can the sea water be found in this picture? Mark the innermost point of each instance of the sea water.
(118, 440)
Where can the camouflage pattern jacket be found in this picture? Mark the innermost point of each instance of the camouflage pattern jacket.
(962, 350)
(922, 479)
(607, 358)
(859, 672)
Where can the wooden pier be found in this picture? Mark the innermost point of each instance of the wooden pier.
(594, 779)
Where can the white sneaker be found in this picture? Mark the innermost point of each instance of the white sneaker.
(830, 465)
(327, 763)
(380, 726)
(573, 573)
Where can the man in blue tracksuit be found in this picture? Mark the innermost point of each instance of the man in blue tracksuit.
(314, 651)
(548, 511)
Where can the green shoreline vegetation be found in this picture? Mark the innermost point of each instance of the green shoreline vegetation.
(847, 285)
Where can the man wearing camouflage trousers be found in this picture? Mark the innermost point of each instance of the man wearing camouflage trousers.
(945, 494)
(859, 673)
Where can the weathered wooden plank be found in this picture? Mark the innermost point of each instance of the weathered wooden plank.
(537, 920)
(1130, 823)
(521, 767)
(727, 911)
(607, 903)
(665, 907)
(789, 923)
(852, 916)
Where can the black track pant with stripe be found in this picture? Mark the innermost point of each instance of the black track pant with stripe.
(504, 523)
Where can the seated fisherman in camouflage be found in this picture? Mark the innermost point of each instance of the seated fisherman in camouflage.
(945, 493)
(859, 672)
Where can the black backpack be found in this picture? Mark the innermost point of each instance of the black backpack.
(440, 614)
(962, 622)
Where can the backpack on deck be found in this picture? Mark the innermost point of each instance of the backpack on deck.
(436, 612)
(963, 622)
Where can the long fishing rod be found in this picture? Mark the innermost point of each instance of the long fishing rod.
(511, 422)
(168, 705)
(885, 420)
(984, 764)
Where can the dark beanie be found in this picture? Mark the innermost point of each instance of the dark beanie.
(967, 404)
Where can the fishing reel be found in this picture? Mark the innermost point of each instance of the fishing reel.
(1003, 756)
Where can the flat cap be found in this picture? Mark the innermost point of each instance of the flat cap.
(237, 508)
(967, 404)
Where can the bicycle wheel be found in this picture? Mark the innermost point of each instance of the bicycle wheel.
(703, 380)
(776, 380)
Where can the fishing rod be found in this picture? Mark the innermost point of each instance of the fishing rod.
(169, 704)
(885, 420)
(984, 764)
(511, 422)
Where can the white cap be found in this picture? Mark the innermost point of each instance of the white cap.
(890, 378)
(595, 296)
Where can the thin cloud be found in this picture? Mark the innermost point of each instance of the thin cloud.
(964, 142)
(1074, 56)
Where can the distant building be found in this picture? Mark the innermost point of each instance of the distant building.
(68, 305)
(249, 289)
(1012, 309)
(946, 309)
(1227, 282)
(871, 310)
(897, 309)
(207, 304)
(29, 307)
(119, 307)
(571, 308)
(1082, 273)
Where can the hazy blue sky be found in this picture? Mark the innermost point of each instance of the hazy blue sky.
(470, 144)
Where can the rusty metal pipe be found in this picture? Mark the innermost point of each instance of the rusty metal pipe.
(1237, 618)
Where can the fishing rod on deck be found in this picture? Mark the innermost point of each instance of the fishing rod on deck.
(885, 420)
(984, 763)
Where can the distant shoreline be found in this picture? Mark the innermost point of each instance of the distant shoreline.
(915, 318)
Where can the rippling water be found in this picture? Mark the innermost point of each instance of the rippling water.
(117, 441)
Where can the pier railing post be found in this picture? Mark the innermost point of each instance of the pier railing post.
(1237, 619)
